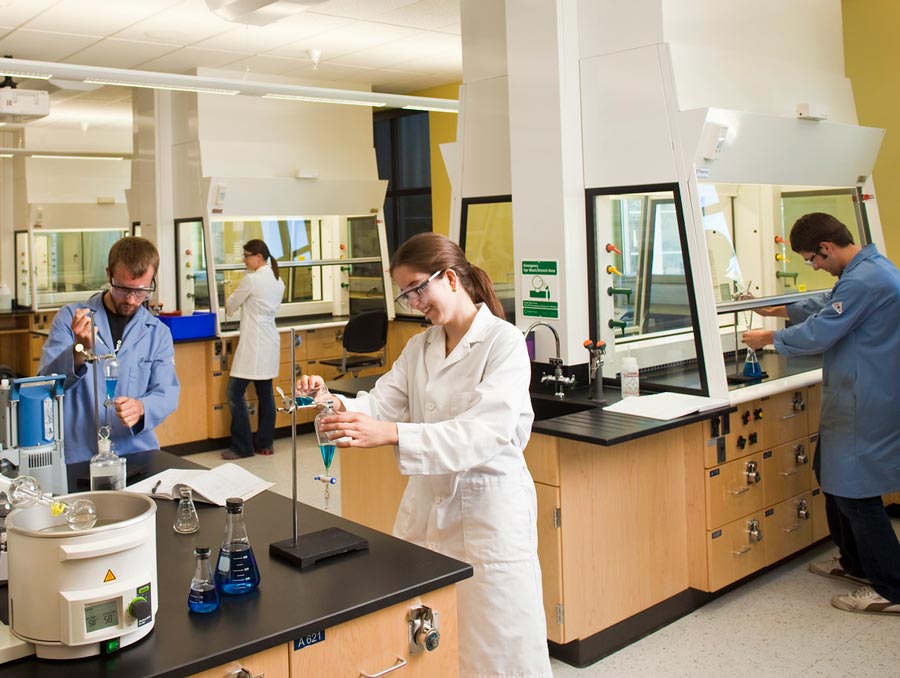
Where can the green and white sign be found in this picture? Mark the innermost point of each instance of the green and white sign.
(540, 289)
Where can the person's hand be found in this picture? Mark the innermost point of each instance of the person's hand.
(129, 410)
(354, 429)
(758, 338)
(308, 382)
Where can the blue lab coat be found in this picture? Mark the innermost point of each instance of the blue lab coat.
(855, 325)
(146, 371)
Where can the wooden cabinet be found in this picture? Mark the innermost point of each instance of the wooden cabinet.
(372, 644)
(399, 332)
(187, 423)
(271, 663)
(788, 527)
(735, 550)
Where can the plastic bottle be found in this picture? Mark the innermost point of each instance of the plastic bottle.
(107, 468)
(631, 380)
(202, 596)
(236, 570)
(186, 518)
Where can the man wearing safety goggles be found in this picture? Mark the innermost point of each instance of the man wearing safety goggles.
(115, 323)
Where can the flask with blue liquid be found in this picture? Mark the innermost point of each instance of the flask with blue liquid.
(751, 365)
(236, 569)
(203, 596)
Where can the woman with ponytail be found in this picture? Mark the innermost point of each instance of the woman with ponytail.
(456, 407)
(256, 359)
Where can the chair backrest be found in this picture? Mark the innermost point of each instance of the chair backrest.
(366, 332)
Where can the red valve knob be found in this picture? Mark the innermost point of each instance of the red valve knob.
(612, 248)
(779, 240)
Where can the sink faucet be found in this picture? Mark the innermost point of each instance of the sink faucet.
(557, 377)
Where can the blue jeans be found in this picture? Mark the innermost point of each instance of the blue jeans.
(862, 531)
(241, 436)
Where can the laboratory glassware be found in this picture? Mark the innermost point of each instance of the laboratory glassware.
(111, 375)
(203, 596)
(236, 569)
(107, 468)
(25, 491)
(751, 364)
(186, 518)
(326, 447)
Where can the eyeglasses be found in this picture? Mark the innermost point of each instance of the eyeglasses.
(416, 293)
(812, 258)
(139, 293)
(249, 254)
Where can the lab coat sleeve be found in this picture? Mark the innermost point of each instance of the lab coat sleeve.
(161, 397)
(237, 298)
(801, 310)
(389, 399)
(57, 356)
(482, 422)
(848, 306)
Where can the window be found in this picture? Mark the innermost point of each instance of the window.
(404, 158)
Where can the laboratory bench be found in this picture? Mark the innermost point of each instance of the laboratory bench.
(271, 627)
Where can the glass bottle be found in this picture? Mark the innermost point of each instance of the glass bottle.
(107, 468)
(186, 518)
(326, 445)
(236, 570)
(203, 596)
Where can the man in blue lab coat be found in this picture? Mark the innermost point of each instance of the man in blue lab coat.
(855, 327)
(147, 389)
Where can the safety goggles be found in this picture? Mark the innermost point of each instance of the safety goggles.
(416, 294)
(138, 293)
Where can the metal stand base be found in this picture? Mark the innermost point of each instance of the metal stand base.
(740, 378)
(315, 546)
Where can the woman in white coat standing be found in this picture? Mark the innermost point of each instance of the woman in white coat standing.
(256, 360)
(456, 406)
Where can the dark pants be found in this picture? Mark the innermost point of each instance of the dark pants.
(868, 545)
(241, 435)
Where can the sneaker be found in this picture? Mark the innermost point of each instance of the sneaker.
(265, 452)
(865, 600)
(231, 454)
(832, 568)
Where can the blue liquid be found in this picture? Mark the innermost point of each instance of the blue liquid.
(111, 388)
(327, 455)
(304, 401)
(236, 570)
(752, 368)
(203, 598)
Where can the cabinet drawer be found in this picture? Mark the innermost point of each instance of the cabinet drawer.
(731, 552)
(786, 471)
(217, 386)
(219, 354)
(813, 406)
(380, 640)
(786, 418)
(787, 527)
(324, 343)
(299, 352)
(820, 528)
(542, 458)
(734, 489)
(272, 663)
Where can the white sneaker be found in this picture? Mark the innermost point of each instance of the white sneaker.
(832, 569)
(865, 599)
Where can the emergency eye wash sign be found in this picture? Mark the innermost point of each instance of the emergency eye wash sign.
(540, 289)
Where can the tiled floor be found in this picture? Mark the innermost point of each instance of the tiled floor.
(780, 625)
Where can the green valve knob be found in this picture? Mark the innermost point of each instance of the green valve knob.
(345, 285)
(345, 268)
(620, 324)
(786, 274)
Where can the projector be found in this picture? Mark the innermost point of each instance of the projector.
(23, 105)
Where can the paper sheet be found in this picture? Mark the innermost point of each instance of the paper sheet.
(213, 486)
(665, 406)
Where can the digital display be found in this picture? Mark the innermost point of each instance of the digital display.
(101, 615)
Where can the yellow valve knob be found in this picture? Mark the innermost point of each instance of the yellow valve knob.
(612, 270)
(780, 257)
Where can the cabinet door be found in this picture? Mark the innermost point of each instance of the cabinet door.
(550, 555)
(361, 471)
(542, 458)
(399, 332)
(183, 425)
(813, 406)
(271, 663)
(786, 417)
(324, 343)
(820, 528)
(379, 641)
(734, 489)
(786, 471)
(733, 551)
(788, 527)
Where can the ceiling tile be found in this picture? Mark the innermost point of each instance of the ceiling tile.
(254, 66)
(352, 38)
(260, 39)
(43, 45)
(186, 23)
(418, 46)
(98, 17)
(424, 14)
(112, 53)
(187, 59)
(21, 11)
(360, 9)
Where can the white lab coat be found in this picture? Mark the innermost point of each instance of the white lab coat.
(258, 297)
(470, 495)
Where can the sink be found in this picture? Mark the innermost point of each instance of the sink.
(545, 408)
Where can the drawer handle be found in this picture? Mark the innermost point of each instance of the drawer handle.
(792, 529)
(790, 416)
(742, 551)
(400, 663)
(790, 472)
(740, 491)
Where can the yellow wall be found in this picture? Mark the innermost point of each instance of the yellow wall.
(443, 130)
(871, 55)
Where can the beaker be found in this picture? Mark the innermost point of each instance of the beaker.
(186, 518)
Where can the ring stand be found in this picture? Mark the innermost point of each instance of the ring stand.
(308, 549)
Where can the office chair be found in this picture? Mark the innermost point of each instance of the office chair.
(365, 332)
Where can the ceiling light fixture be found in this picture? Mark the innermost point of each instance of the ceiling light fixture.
(78, 157)
(36, 75)
(123, 77)
(6, 155)
(324, 100)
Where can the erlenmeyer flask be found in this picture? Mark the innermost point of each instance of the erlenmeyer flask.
(186, 518)
(751, 364)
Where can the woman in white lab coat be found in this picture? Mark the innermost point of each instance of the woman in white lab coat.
(456, 406)
(256, 359)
